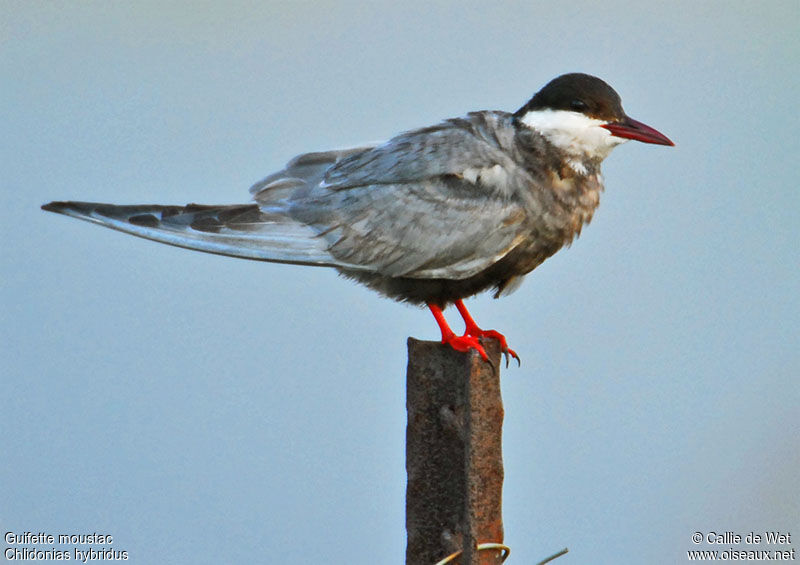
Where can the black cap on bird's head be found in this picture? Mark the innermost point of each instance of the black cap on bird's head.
(577, 92)
(594, 98)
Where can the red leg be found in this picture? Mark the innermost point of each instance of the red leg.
(459, 343)
(475, 331)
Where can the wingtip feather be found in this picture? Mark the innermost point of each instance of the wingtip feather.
(69, 207)
(53, 206)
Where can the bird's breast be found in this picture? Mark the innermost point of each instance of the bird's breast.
(557, 213)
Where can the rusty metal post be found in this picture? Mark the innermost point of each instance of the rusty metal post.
(453, 454)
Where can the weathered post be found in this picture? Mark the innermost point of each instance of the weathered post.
(453, 454)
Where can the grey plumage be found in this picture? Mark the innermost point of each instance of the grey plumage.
(431, 216)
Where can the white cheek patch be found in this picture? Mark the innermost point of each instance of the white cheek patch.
(573, 132)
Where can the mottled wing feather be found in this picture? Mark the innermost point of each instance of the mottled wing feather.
(306, 170)
(242, 230)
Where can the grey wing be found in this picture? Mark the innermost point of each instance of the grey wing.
(441, 202)
(438, 228)
(262, 231)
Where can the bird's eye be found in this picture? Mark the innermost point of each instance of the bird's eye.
(578, 105)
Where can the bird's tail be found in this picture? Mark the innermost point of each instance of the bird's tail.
(241, 230)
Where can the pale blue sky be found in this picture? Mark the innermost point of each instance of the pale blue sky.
(207, 410)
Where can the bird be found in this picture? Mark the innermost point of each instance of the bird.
(430, 217)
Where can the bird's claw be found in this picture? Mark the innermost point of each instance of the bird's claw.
(492, 334)
(511, 353)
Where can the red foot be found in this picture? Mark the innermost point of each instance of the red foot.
(470, 339)
(464, 343)
(475, 331)
(460, 343)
